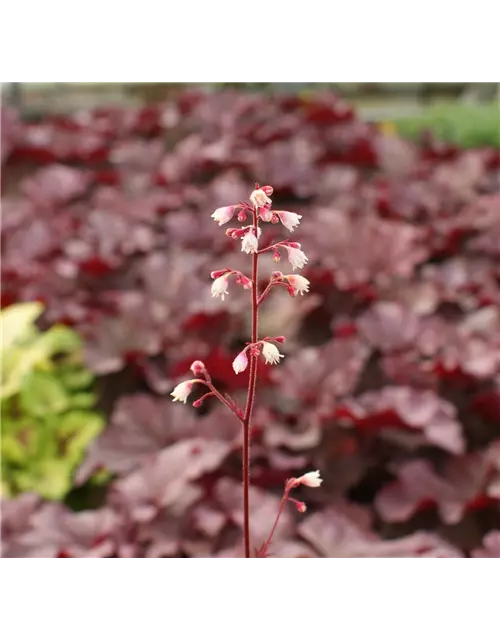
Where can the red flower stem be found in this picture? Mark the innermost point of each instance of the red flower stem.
(266, 291)
(282, 504)
(250, 399)
(271, 246)
(273, 283)
(218, 395)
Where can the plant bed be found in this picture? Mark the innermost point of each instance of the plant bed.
(393, 367)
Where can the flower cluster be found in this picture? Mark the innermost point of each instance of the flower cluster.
(260, 208)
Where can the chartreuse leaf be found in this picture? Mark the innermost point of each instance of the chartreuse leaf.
(42, 394)
(76, 430)
(19, 439)
(75, 378)
(61, 339)
(13, 450)
(51, 478)
(23, 351)
(5, 490)
(16, 363)
(17, 322)
(82, 400)
(46, 405)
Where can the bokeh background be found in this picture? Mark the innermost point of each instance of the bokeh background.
(390, 385)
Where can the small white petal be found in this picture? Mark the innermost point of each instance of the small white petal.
(310, 479)
(240, 363)
(220, 285)
(223, 215)
(296, 257)
(271, 353)
(249, 243)
(182, 390)
(258, 198)
(289, 220)
(299, 284)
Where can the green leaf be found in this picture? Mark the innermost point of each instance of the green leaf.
(13, 450)
(24, 348)
(18, 362)
(61, 339)
(461, 124)
(76, 378)
(82, 400)
(51, 479)
(17, 322)
(5, 489)
(23, 431)
(77, 429)
(42, 394)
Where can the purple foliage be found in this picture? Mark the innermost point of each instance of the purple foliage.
(391, 380)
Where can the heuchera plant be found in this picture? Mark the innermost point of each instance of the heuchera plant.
(391, 382)
(260, 211)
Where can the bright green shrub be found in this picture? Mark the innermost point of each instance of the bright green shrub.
(47, 403)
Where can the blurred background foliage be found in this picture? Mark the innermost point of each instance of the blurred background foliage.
(48, 415)
(466, 114)
(97, 205)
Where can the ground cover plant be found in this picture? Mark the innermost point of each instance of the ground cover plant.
(390, 381)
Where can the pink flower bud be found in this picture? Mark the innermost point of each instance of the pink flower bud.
(276, 256)
(242, 216)
(275, 219)
(276, 274)
(245, 282)
(301, 506)
(280, 339)
(236, 233)
(198, 368)
(254, 349)
(240, 363)
(268, 190)
(219, 273)
(198, 403)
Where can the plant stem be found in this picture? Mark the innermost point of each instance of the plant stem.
(218, 395)
(250, 399)
(282, 504)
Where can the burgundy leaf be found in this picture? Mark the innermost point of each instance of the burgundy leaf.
(55, 185)
(56, 532)
(335, 535)
(467, 483)
(263, 511)
(491, 546)
(142, 425)
(166, 477)
(388, 326)
(16, 519)
(406, 408)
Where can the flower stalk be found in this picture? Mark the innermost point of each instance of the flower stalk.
(260, 208)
